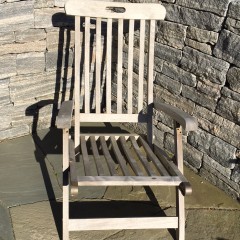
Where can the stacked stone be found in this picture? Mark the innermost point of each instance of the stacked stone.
(198, 70)
(36, 43)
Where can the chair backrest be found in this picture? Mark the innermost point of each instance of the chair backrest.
(108, 37)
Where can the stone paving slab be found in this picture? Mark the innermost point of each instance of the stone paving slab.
(204, 194)
(25, 174)
(29, 223)
(25, 193)
(6, 230)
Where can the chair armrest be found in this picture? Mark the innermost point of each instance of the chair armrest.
(64, 117)
(188, 122)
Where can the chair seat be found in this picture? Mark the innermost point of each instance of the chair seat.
(121, 160)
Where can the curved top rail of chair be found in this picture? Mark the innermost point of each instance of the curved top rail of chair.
(86, 8)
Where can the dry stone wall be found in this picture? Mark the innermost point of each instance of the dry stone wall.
(197, 69)
(198, 58)
(36, 41)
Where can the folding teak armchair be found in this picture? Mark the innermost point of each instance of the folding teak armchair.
(128, 26)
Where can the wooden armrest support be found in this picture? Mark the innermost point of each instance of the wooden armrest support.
(64, 117)
(188, 122)
(73, 171)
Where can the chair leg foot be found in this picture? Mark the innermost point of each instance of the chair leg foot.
(65, 219)
(181, 216)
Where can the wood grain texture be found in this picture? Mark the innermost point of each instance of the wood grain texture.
(128, 181)
(92, 117)
(188, 122)
(64, 117)
(77, 60)
(126, 223)
(119, 66)
(112, 10)
(87, 65)
(98, 64)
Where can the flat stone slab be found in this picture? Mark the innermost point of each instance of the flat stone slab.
(29, 223)
(25, 174)
(213, 224)
(6, 231)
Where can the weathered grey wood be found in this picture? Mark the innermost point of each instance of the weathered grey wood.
(142, 158)
(65, 166)
(130, 67)
(152, 25)
(126, 223)
(87, 65)
(71, 150)
(64, 117)
(185, 186)
(73, 172)
(171, 175)
(73, 179)
(141, 65)
(92, 117)
(128, 181)
(96, 157)
(77, 81)
(107, 136)
(153, 158)
(107, 155)
(120, 159)
(180, 206)
(106, 10)
(119, 66)
(130, 158)
(188, 122)
(86, 162)
(98, 64)
(109, 66)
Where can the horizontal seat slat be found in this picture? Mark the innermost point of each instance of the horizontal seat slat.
(142, 158)
(96, 156)
(119, 156)
(108, 157)
(128, 181)
(130, 158)
(123, 223)
(86, 162)
(153, 158)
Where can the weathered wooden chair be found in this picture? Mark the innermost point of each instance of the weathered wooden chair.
(150, 168)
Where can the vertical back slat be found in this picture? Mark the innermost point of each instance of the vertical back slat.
(119, 66)
(150, 81)
(151, 60)
(77, 81)
(87, 65)
(141, 65)
(98, 64)
(130, 65)
(109, 65)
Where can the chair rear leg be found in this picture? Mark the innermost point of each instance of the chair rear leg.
(65, 219)
(65, 205)
(181, 215)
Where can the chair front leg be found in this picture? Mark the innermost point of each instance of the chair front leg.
(180, 204)
(65, 206)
